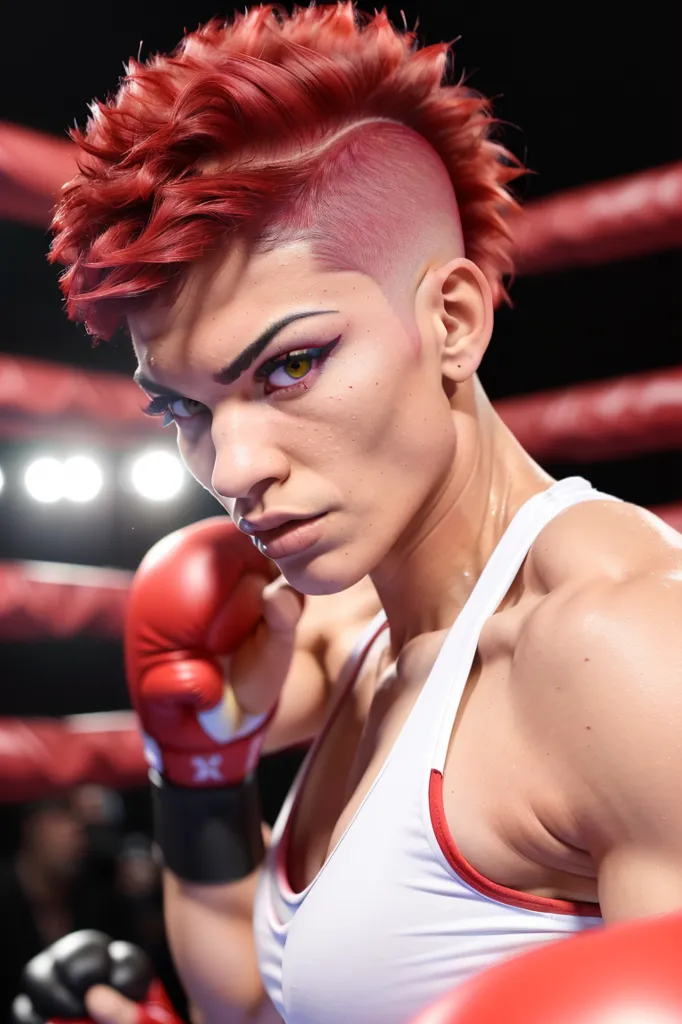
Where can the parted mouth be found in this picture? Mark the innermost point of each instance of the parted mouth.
(266, 525)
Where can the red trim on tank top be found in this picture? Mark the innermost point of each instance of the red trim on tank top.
(477, 881)
(281, 865)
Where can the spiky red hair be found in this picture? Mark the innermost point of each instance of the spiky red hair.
(235, 132)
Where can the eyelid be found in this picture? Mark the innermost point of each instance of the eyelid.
(273, 362)
(159, 404)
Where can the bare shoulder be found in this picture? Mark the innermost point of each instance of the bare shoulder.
(603, 540)
(596, 692)
(599, 568)
(599, 657)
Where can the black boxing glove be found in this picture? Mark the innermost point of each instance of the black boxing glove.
(55, 982)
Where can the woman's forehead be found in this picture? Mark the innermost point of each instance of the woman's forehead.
(233, 282)
(240, 294)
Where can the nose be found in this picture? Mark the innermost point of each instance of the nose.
(247, 455)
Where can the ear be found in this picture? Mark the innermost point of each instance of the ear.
(454, 308)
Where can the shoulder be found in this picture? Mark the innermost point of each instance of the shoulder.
(606, 571)
(602, 650)
(603, 540)
(609, 577)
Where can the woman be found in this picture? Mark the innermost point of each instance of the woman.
(304, 231)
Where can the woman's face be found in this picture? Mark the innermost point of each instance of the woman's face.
(341, 416)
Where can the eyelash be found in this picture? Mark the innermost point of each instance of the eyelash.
(161, 405)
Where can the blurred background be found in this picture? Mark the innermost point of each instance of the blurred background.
(588, 92)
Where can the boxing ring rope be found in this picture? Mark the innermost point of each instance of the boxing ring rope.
(600, 420)
(33, 168)
(598, 223)
(39, 398)
(50, 599)
(46, 391)
(39, 757)
(601, 223)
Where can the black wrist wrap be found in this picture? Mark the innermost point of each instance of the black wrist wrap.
(209, 835)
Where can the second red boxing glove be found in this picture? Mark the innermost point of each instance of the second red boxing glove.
(195, 598)
(626, 973)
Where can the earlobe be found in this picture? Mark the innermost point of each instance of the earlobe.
(459, 304)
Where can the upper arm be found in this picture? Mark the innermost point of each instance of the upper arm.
(302, 704)
(326, 634)
(619, 730)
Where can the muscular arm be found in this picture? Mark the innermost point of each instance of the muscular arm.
(302, 706)
(617, 675)
(325, 636)
(210, 928)
(211, 935)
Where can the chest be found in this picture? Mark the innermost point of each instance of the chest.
(495, 785)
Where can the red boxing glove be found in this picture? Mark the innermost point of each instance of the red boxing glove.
(194, 599)
(622, 974)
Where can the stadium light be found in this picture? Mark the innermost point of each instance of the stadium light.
(44, 480)
(78, 479)
(157, 475)
(82, 479)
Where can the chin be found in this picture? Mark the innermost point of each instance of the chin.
(322, 575)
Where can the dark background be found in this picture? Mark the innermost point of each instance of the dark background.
(588, 92)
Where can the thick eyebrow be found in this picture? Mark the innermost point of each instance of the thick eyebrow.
(244, 360)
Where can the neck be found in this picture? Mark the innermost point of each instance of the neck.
(440, 557)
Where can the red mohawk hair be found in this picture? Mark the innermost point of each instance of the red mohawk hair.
(235, 132)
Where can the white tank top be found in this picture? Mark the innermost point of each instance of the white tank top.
(396, 917)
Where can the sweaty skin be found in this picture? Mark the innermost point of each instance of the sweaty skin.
(563, 771)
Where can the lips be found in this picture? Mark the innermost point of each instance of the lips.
(291, 537)
(268, 536)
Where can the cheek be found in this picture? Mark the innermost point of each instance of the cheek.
(391, 408)
(362, 390)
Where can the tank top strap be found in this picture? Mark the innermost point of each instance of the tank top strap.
(349, 672)
(451, 669)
